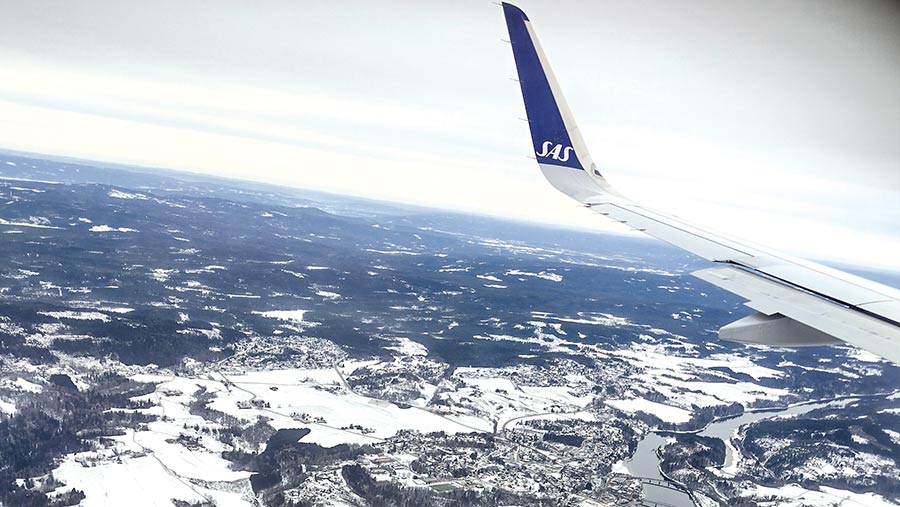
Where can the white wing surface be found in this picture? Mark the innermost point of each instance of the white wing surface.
(797, 302)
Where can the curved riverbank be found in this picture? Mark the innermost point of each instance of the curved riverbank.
(646, 463)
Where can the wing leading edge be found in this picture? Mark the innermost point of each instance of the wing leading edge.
(798, 303)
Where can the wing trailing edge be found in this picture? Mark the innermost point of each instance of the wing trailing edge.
(797, 303)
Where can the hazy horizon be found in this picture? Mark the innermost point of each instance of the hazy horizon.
(772, 121)
(892, 279)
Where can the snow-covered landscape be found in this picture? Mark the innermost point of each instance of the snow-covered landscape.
(203, 343)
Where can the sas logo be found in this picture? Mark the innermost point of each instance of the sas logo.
(558, 152)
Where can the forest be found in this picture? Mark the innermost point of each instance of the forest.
(60, 420)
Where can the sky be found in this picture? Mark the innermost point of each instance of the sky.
(775, 121)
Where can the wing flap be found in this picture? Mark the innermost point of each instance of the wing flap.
(772, 298)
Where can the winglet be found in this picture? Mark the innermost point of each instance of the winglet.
(553, 131)
(556, 140)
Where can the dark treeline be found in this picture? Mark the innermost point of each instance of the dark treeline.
(687, 461)
(572, 440)
(693, 450)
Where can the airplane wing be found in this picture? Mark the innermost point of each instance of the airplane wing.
(797, 303)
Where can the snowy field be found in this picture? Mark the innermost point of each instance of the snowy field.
(176, 456)
(796, 496)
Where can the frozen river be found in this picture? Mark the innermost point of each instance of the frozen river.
(645, 462)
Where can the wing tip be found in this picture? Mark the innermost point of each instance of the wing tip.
(510, 9)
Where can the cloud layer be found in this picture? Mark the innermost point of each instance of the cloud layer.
(773, 121)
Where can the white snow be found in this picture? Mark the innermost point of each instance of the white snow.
(300, 391)
(666, 413)
(619, 467)
(136, 482)
(859, 440)
(7, 407)
(116, 309)
(590, 318)
(30, 180)
(106, 228)
(116, 194)
(27, 386)
(151, 467)
(77, 315)
(392, 252)
(490, 395)
(183, 461)
(895, 436)
(290, 315)
(453, 269)
(407, 347)
(28, 224)
(545, 275)
(793, 495)
(658, 356)
(212, 334)
(863, 355)
(161, 275)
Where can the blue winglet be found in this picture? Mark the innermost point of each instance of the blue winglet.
(552, 143)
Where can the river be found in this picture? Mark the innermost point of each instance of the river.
(645, 462)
